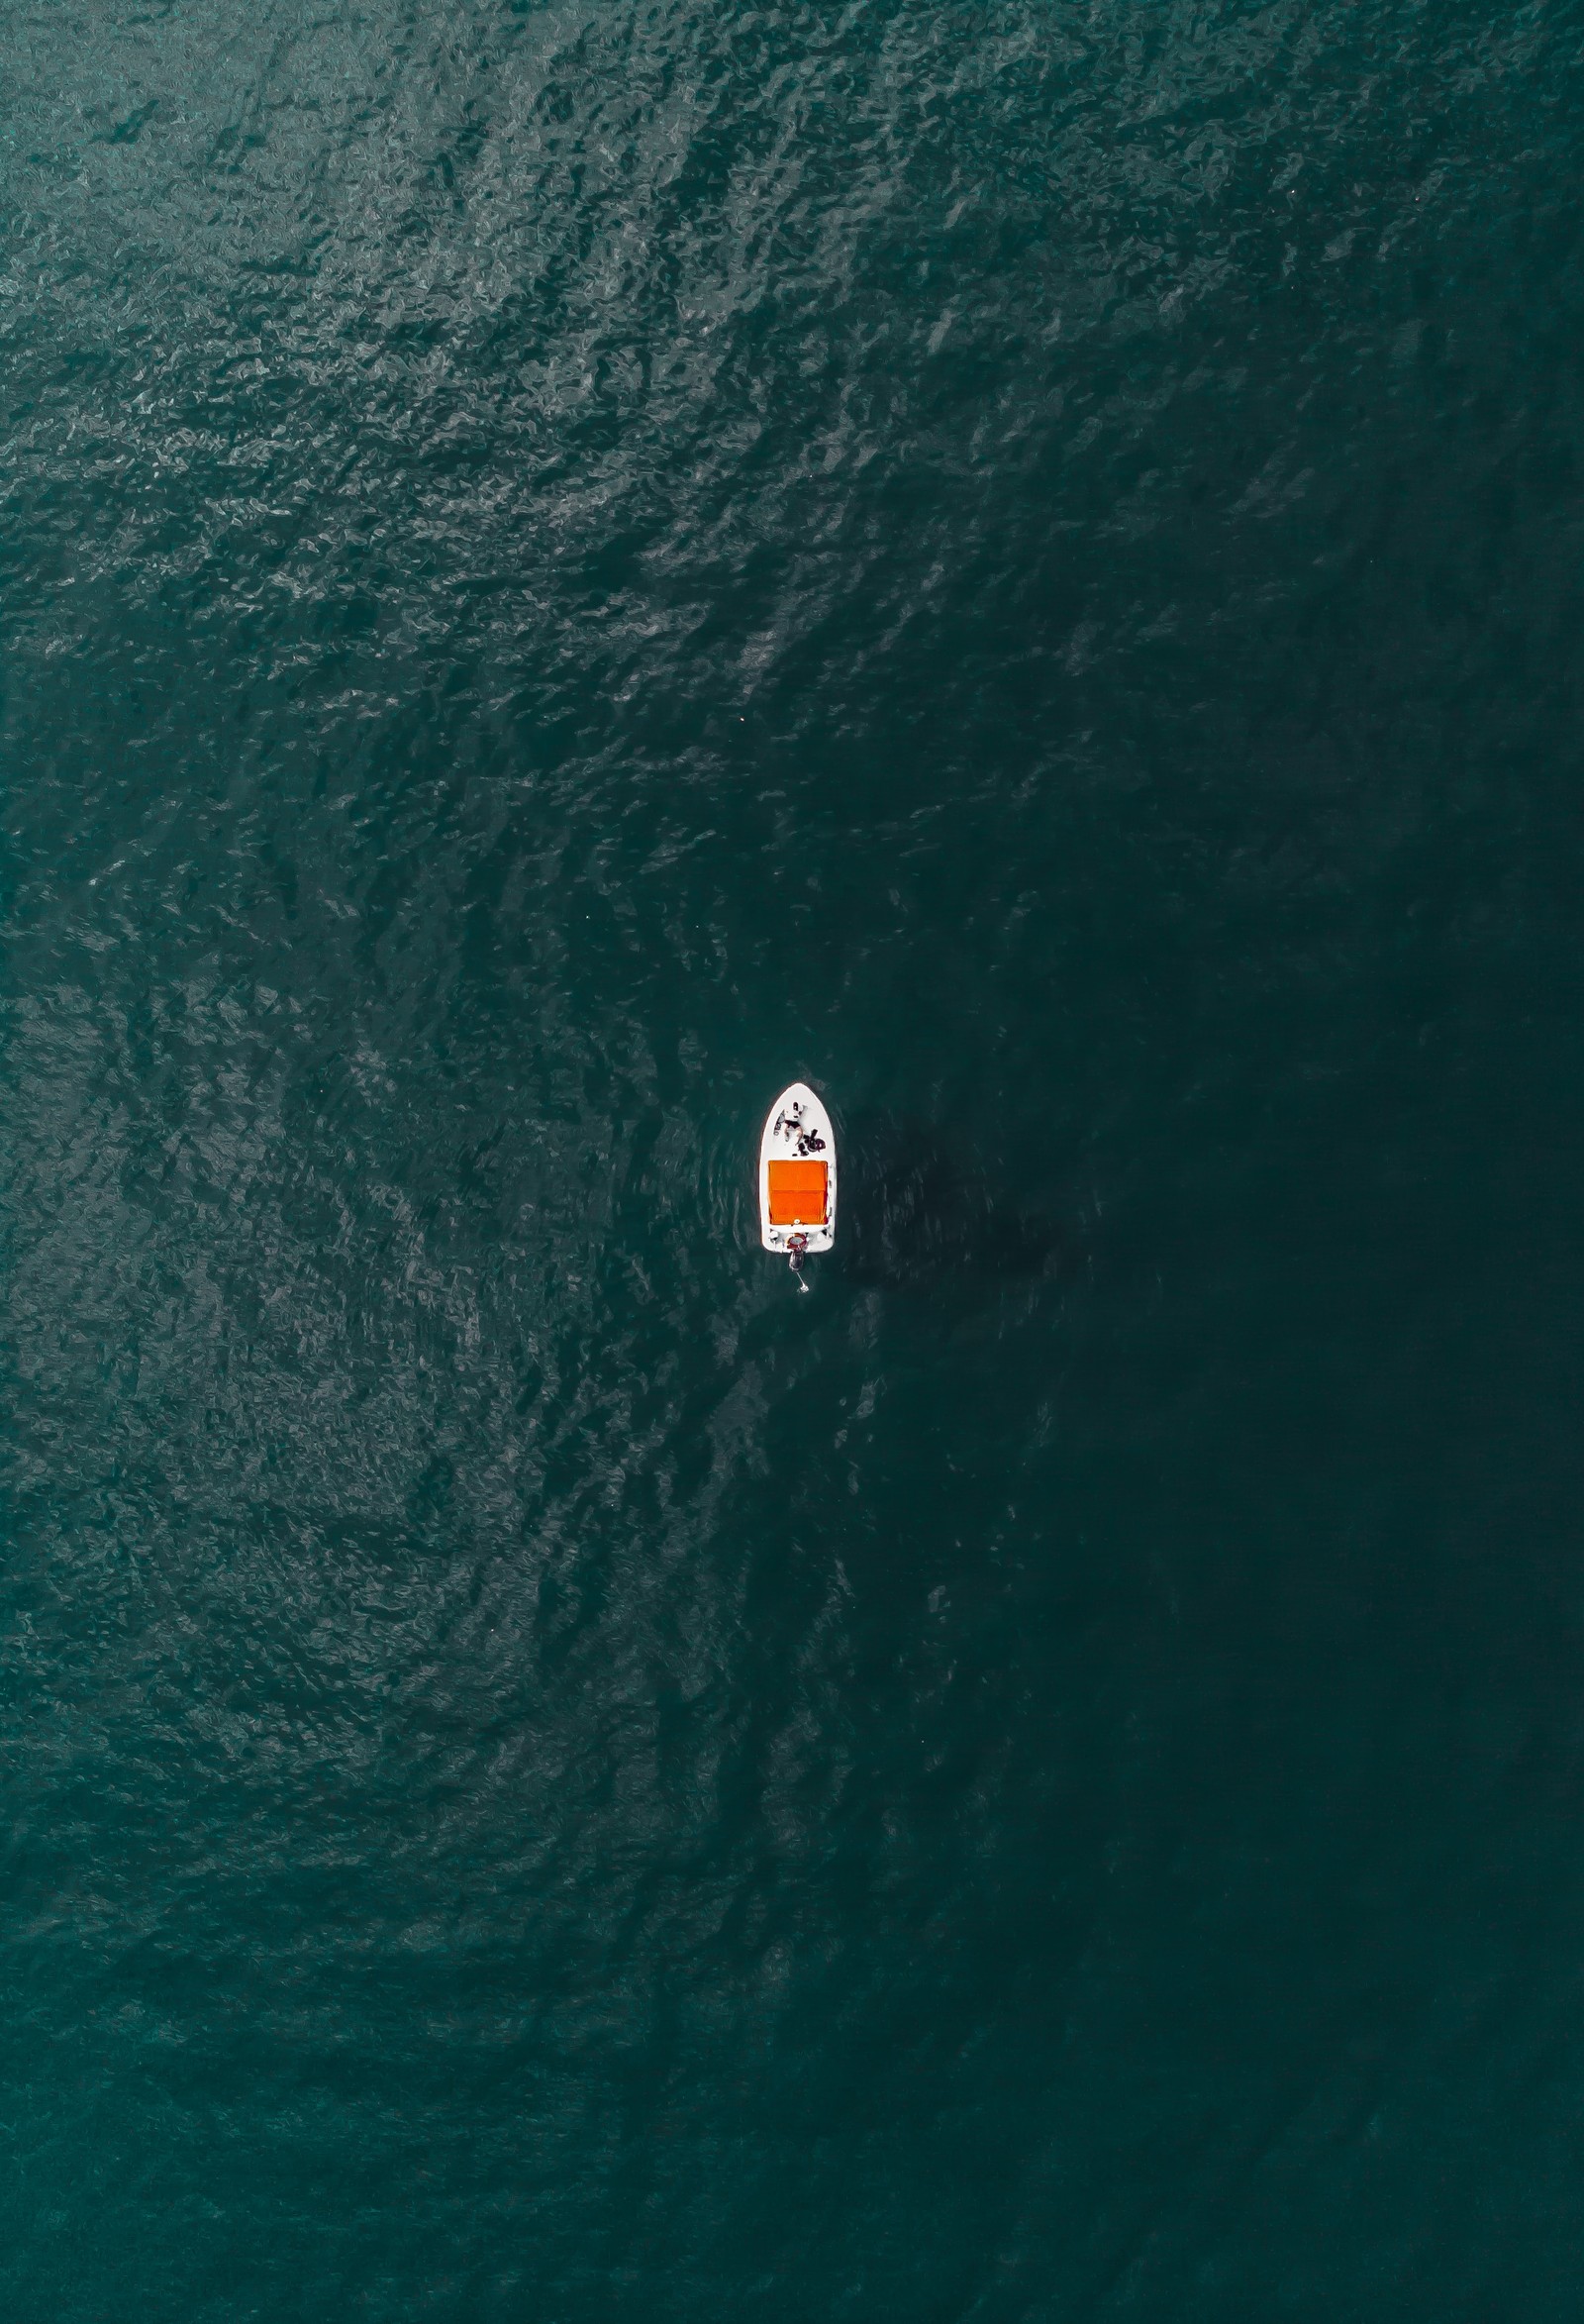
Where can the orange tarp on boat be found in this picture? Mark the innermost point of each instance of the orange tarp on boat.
(797, 1193)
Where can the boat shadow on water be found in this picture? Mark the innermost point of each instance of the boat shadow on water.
(918, 1213)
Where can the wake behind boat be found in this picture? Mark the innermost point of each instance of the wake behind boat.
(797, 1176)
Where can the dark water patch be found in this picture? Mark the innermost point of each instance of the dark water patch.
(919, 1210)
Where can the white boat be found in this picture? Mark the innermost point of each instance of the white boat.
(797, 1176)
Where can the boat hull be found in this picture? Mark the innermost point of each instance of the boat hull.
(797, 1174)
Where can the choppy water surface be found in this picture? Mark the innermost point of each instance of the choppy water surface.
(562, 566)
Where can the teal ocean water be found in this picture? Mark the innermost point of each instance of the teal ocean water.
(563, 565)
